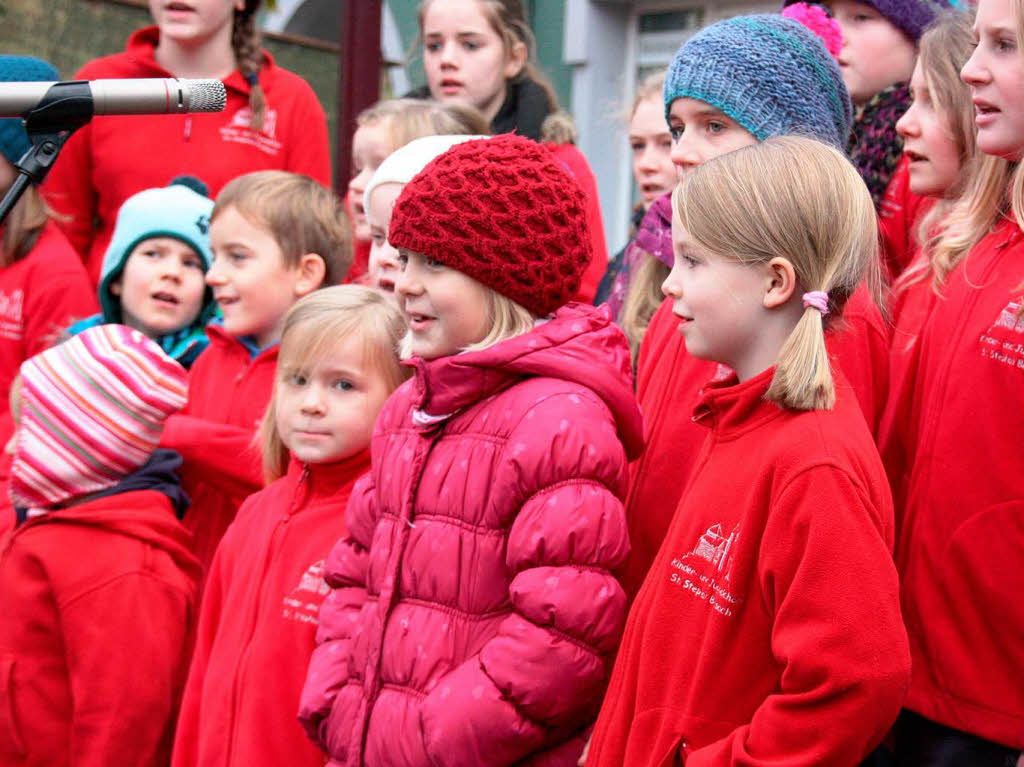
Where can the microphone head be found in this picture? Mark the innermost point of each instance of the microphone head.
(206, 95)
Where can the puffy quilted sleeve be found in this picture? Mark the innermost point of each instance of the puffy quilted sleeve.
(542, 675)
(345, 573)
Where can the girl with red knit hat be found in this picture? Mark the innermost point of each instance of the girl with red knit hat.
(473, 615)
(768, 630)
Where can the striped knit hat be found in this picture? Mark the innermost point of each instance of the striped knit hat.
(92, 411)
(770, 74)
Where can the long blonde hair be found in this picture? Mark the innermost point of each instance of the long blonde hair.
(642, 300)
(316, 324)
(407, 119)
(23, 226)
(994, 188)
(802, 200)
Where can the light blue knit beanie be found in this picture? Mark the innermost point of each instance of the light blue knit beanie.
(13, 69)
(176, 211)
(770, 74)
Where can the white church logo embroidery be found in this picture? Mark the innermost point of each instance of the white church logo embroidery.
(303, 602)
(706, 571)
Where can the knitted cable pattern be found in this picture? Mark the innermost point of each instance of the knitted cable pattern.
(504, 212)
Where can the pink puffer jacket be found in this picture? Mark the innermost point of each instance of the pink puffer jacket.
(473, 616)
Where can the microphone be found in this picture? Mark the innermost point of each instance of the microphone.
(130, 96)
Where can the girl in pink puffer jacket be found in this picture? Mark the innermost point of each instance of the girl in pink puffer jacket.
(473, 615)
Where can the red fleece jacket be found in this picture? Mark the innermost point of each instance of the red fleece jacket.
(899, 213)
(258, 622)
(40, 295)
(768, 631)
(97, 606)
(669, 382)
(228, 391)
(962, 519)
(112, 158)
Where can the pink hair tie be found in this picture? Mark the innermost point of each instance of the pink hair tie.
(817, 299)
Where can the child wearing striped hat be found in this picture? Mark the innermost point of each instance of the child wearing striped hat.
(97, 584)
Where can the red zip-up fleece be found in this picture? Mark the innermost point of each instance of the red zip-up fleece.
(215, 433)
(258, 622)
(669, 382)
(961, 539)
(97, 607)
(899, 213)
(40, 296)
(768, 631)
(112, 158)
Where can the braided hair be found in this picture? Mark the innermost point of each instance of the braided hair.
(245, 42)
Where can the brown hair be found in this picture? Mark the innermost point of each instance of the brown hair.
(302, 215)
(246, 45)
(24, 224)
(316, 324)
(993, 187)
(945, 48)
(508, 19)
(410, 119)
(642, 300)
(802, 200)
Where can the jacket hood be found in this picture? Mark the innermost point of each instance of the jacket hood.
(579, 344)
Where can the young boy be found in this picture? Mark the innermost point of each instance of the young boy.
(153, 274)
(276, 237)
(97, 585)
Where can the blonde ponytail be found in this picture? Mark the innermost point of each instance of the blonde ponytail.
(798, 199)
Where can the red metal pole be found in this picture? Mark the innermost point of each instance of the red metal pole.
(359, 68)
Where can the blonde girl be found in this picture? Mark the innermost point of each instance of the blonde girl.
(272, 120)
(338, 363)
(632, 278)
(474, 614)
(960, 480)
(769, 241)
(380, 130)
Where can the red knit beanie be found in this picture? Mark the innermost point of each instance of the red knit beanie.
(503, 211)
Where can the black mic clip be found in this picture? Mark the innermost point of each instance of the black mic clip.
(65, 108)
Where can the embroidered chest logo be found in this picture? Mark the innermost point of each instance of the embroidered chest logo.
(1004, 340)
(302, 603)
(705, 572)
(11, 305)
(239, 131)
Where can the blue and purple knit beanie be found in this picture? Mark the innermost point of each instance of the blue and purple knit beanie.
(912, 17)
(14, 69)
(770, 74)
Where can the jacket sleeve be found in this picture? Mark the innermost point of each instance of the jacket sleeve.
(126, 671)
(345, 573)
(861, 347)
(828, 577)
(69, 191)
(221, 455)
(543, 673)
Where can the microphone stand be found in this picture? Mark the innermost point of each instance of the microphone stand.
(65, 108)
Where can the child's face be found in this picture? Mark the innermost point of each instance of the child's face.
(995, 73)
(161, 288)
(445, 309)
(326, 413)
(702, 133)
(465, 60)
(383, 267)
(719, 302)
(875, 54)
(195, 20)
(651, 143)
(251, 283)
(928, 143)
(370, 145)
